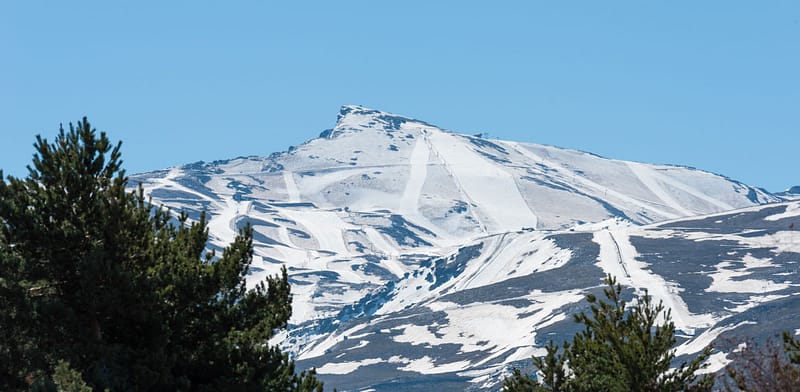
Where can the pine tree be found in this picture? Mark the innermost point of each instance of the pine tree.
(68, 379)
(15, 313)
(94, 275)
(792, 347)
(621, 348)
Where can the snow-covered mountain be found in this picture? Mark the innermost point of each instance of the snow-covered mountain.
(791, 193)
(423, 257)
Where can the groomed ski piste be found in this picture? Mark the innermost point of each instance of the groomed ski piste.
(420, 257)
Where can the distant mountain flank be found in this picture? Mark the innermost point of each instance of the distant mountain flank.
(420, 257)
(791, 193)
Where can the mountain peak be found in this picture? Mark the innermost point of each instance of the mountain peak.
(361, 118)
(400, 237)
(358, 110)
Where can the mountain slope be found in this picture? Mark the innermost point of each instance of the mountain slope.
(724, 276)
(402, 237)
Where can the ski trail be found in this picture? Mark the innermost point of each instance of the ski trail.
(394, 266)
(470, 202)
(222, 219)
(417, 175)
(291, 187)
(642, 279)
(591, 184)
(284, 237)
(346, 273)
(490, 187)
(383, 248)
(694, 192)
(645, 175)
(379, 243)
(325, 226)
(610, 257)
(223, 223)
(497, 246)
(169, 182)
(418, 164)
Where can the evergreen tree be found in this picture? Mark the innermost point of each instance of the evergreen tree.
(621, 348)
(92, 274)
(68, 379)
(15, 314)
(792, 347)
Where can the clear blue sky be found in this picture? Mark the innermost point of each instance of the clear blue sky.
(710, 84)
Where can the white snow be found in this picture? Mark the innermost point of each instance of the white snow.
(610, 258)
(704, 339)
(169, 182)
(325, 226)
(723, 278)
(792, 211)
(291, 187)
(605, 190)
(486, 376)
(416, 335)
(504, 327)
(426, 365)
(361, 344)
(651, 178)
(418, 168)
(755, 300)
(513, 256)
(319, 347)
(779, 242)
(319, 181)
(648, 178)
(491, 189)
(656, 286)
(381, 245)
(715, 361)
(223, 223)
(346, 367)
(365, 172)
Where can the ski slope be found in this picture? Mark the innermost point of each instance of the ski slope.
(420, 256)
(487, 186)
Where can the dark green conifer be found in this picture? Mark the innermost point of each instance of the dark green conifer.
(621, 348)
(792, 347)
(92, 274)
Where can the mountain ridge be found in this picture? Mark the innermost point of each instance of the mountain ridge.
(384, 216)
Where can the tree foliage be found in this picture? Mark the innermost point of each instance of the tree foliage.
(93, 275)
(67, 379)
(621, 348)
(764, 367)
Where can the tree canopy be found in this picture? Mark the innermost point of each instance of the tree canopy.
(94, 276)
(621, 348)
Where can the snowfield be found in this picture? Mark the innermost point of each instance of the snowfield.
(425, 259)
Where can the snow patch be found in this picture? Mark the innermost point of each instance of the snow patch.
(792, 211)
(426, 365)
(346, 367)
(723, 278)
(715, 362)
